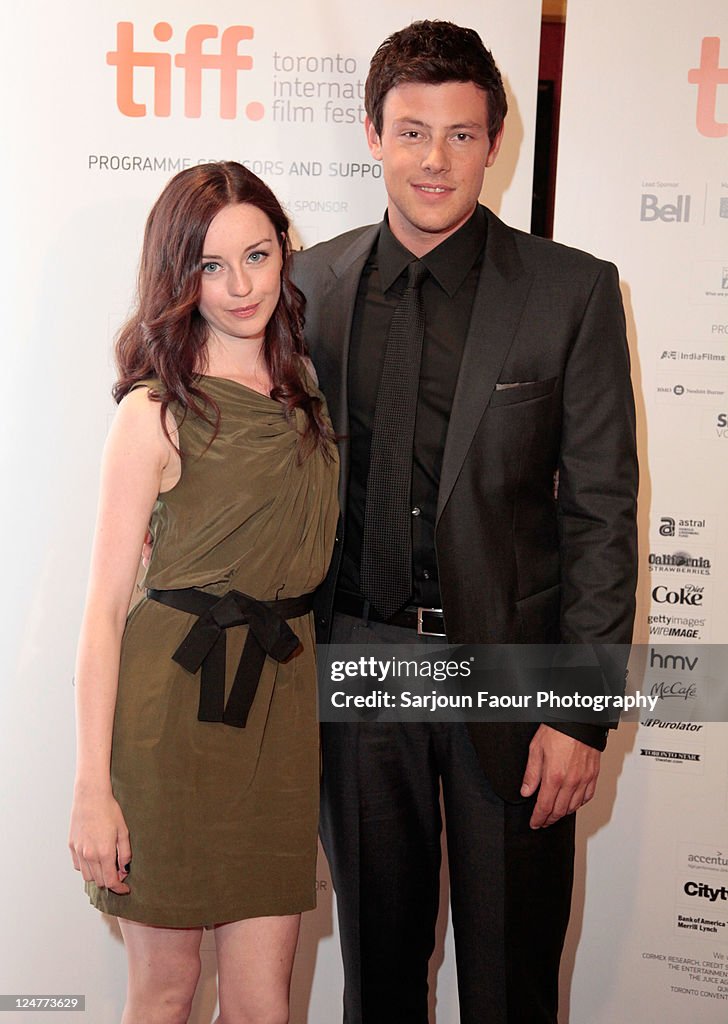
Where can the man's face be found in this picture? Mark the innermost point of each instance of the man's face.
(434, 149)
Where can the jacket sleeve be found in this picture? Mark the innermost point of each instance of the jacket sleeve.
(597, 489)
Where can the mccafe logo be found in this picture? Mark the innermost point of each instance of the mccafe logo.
(224, 59)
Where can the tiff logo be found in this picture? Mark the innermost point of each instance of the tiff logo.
(708, 76)
(228, 62)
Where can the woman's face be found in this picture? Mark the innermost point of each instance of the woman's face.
(241, 273)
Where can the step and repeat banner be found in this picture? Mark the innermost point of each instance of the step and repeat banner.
(104, 102)
(643, 181)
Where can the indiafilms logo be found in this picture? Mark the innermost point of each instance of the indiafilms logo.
(227, 62)
(680, 562)
(692, 357)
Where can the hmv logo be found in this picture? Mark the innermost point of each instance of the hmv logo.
(677, 212)
(201, 55)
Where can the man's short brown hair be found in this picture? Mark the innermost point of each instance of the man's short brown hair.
(433, 52)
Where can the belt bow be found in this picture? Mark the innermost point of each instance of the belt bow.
(204, 646)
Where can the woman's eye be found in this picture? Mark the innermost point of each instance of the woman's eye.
(210, 268)
(257, 257)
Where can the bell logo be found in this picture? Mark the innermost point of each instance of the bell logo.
(228, 62)
(708, 77)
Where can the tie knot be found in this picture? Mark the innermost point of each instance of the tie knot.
(416, 273)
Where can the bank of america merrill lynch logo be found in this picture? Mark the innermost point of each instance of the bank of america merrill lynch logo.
(227, 61)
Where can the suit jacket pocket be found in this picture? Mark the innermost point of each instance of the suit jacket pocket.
(540, 616)
(509, 393)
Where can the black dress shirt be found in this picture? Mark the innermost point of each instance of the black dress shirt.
(447, 294)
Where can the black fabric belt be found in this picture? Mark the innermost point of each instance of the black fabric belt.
(427, 621)
(204, 646)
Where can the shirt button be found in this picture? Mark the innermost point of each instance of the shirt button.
(416, 511)
(426, 575)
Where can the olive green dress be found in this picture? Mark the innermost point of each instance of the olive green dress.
(223, 820)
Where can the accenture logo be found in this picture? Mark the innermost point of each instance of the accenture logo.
(710, 860)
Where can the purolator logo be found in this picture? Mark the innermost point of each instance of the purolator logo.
(228, 62)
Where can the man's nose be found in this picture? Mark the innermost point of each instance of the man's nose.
(437, 158)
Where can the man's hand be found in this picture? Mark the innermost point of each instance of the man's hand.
(565, 772)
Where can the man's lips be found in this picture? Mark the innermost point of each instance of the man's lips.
(432, 189)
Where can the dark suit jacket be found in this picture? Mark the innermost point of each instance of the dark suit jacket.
(543, 388)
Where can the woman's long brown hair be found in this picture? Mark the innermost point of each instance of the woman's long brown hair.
(165, 337)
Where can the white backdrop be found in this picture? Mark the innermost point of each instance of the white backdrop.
(643, 181)
(78, 180)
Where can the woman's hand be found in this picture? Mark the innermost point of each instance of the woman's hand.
(99, 841)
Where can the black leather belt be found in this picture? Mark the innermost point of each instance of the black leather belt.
(427, 621)
(204, 645)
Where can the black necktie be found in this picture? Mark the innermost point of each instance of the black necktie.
(386, 557)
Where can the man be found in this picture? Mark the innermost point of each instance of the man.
(520, 378)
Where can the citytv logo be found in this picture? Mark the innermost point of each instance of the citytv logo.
(227, 62)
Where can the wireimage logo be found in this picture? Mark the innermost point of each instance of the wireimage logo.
(227, 62)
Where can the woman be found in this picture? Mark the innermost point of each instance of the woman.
(195, 801)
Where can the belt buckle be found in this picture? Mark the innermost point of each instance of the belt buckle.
(421, 631)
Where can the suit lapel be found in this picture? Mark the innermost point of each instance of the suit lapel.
(338, 302)
(499, 300)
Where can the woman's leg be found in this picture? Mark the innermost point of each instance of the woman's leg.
(254, 963)
(164, 967)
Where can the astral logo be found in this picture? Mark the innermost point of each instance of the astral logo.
(228, 62)
(667, 526)
(708, 76)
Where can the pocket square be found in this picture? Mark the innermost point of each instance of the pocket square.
(505, 386)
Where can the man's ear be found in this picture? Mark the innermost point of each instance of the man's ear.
(373, 140)
(495, 147)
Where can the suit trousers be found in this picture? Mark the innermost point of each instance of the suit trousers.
(510, 885)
